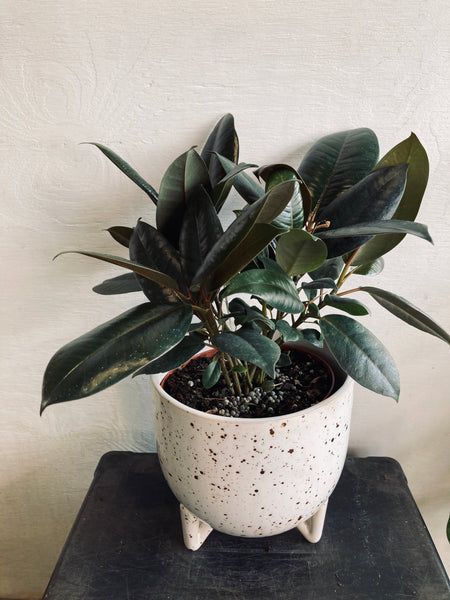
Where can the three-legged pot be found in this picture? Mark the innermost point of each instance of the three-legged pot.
(253, 477)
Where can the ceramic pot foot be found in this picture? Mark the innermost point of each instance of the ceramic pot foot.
(312, 528)
(195, 531)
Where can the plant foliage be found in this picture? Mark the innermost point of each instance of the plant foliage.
(277, 273)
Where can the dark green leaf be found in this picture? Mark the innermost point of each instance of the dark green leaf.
(223, 187)
(112, 351)
(242, 254)
(337, 162)
(283, 361)
(313, 336)
(375, 198)
(313, 309)
(372, 268)
(319, 284)
(331, 268)
(269, 263)
(299, 252)
(239, 369)
(275, 289)
(211, 374)
(150, 248)
(410, 152)
(244, 313)
(407, 312)
(173, 358)
(292, 216)
(376, 228)
(123, 284)
(245, 185)
(289, 333)
(249, 346)
(348, 305)
(183, 178)
(361, 354)
(200, 230)
(128, 171)
(151, 274)
(222, 140)
(244, 239)
(121, 234)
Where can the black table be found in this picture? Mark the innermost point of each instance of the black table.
(126, 544)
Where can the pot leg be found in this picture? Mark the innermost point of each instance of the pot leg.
(195, 531)
(312, 528)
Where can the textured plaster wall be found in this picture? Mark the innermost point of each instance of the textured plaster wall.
(150, 79)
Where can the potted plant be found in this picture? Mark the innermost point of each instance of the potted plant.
(245, 293)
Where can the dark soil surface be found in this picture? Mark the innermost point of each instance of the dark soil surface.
(303, 383)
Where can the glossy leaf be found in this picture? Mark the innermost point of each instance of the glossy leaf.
(407, 312)
(183, 177)
(150, 248)
(211, 374)
(123, 284)
(411, 152)
(361, 354)
(377, 228)
(283, 361)
(121, 234)
(289, 333)
(254, 242)
(313, 309)
(270, 264)
(222, 140)
(331, 269)
(249, 346)
(299, 252)
(113, 351)
(173, 358)
(200, 230)
(336, 162)
(151, 274)
(275, 289)
(313, 336)
(243, 313)
(374, 198)
(245, 185)
(244, 239)
(223, 187)
(348, 305)
(292, 216)
(319, 284)
(128, 171)
(372, 268)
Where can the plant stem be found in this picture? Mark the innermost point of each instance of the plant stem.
(347, 265)
(236, 383)
(224, 369)
(349, 291)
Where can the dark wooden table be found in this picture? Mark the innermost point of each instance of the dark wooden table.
(126, 544)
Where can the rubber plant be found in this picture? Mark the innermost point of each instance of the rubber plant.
(181, 265)
(292, 249)
(349, 210)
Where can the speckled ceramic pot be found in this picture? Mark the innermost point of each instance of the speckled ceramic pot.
(252, 477)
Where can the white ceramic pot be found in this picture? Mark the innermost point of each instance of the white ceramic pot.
(252, 477)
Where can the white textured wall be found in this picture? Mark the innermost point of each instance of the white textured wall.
(150, 79)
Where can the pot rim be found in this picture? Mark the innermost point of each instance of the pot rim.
(159, 377)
